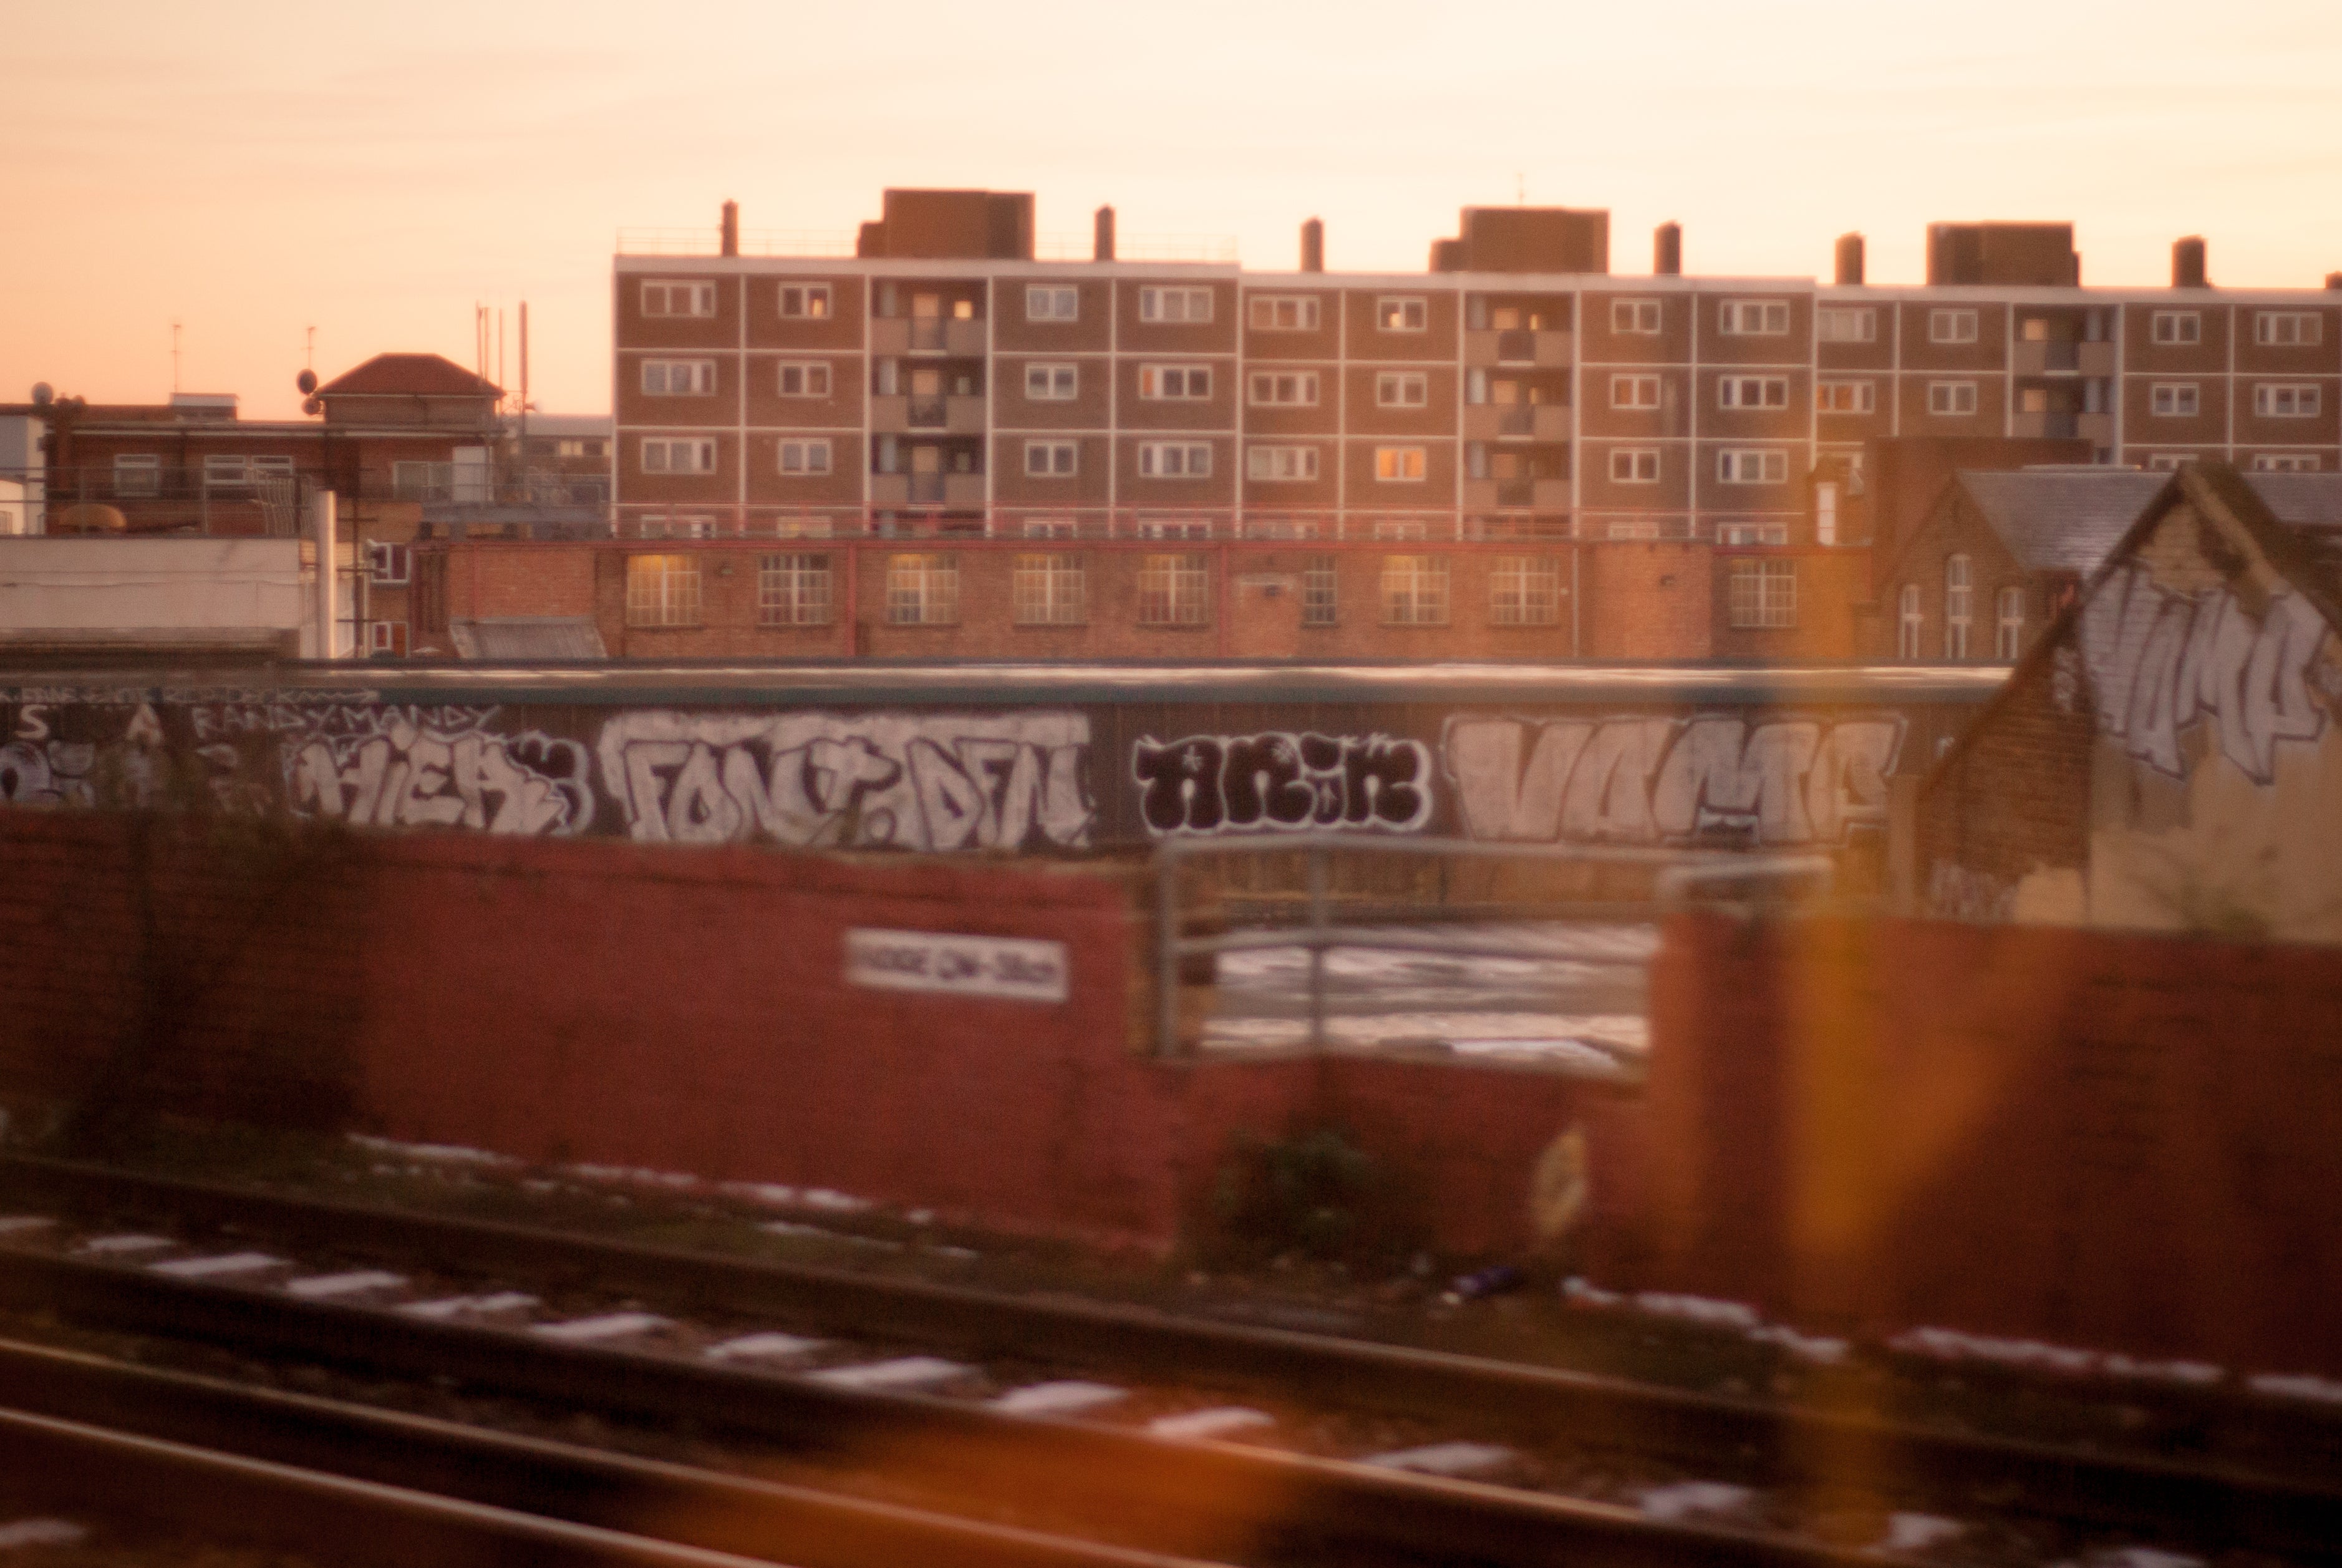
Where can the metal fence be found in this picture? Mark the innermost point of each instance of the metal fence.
(1676, 877)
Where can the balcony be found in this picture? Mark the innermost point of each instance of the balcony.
(943, 415)
(928, 334)
(2055, 425)
(2064, 359)
(1540, 495)
(926, 490)
(1516, 421)
(1517, 348)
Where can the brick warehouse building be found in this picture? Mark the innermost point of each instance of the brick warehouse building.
(1681, 455)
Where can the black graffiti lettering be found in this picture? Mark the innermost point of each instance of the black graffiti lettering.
(1281, 782)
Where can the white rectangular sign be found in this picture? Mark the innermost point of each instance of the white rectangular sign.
(1019, 968)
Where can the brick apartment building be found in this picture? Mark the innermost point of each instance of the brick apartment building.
(1517, 412)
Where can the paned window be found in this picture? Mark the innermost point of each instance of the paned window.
(1052, 302)
(1525, 590)
(1175, 459)
(1752, 392)
(669, 297)
(2288, 329)
(1175, 304)
(1273, 463)
(1752, 533)
(805, 456)
(1188, 383)
(662, 590)
(1319, 598)
(2286, 400)
(1951, 398)
(1283, 313)
(1284, 389)
(1847, 323)
(1764, 594)
(138, 473)
(2176, 326)
(678, 377)
(1401, 313)
(805, 380)
(1951, 326)
(1634, 392)
(2286, 463)
(1414, 590)
(1051, 590)
(679, 455)
(1752, 465)
(1959, 606)
(1634, 317)
(1908, 620)
(805, 301)
(1635, 465)
(1753, 317)
(922, 590)
(1845, 396)
(1402, 389)
(2174, 399)
(1052, 382)
(1174, 590)
(1399, 463)
(1050, 459)
(2008, 629)
(793, 590)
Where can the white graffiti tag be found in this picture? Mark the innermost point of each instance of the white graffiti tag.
(1665, 781)
(1221, 783)
(903, 781)
(46, 772)
(410, 776)
(2161, 662)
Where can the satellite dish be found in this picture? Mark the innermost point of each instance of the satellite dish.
(43, 394)
(306, 381)
(314, 405)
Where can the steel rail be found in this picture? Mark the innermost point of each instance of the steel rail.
(1777, 1445)
(677, 1504)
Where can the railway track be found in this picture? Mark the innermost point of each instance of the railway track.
(1112, 1426)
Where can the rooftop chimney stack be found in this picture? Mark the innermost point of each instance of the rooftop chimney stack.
(1667, 250)
(731, 229)
(2334, 280)
(1313, 246)
(1849, 260)
(2187, 263)
(1102, 248)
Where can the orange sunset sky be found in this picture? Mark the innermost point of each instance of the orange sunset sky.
(251, 170)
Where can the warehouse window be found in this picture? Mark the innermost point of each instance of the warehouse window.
(1051, 590)
(1319, 592)
(662, 590)
(1414, 590)
(922, 590)
(1525, 590)
(1764, 594)
(1174, 591)
(793, 591)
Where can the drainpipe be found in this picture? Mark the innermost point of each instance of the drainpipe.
(852, 605)
(1227, 605)
(1577, 597)
(321, 516)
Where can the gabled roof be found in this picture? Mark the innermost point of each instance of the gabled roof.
(2059, 520)
(528, 637)
(410, 375)
(2300, 499)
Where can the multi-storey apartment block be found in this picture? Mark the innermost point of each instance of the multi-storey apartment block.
(943, 379)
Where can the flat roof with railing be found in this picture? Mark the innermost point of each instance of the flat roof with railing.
(704, 243)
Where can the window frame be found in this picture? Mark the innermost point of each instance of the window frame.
(1304, 381)
(1635, 456)
(1525, 590)
(1306, 314)
(1052, 296)
(667, 445)
(1415, 590)
(1306, 467)
(2287, 463)
(1152, 299)
(1634, 382)
(808, 293)
(1174, 589)
(1049, 450)
(1392, 463)
(2305, 397)
(1830, 321)
(1629, 316)
(1910, 624)
(786, 583)
(1404, 313)
(808, 448)
(1771, 316)
(1959, 604)
(1731, 390)
(2175, 399)
(1162, 383)
(1954, 326)
(2192, 321)
(1868, 403)
(1049, 588)
(2008, 629)
(1730, 460)
(1761, 595)
(2309, 328)
(1152, 454)
(701, 289)
(1954, 394)
(701, 370)
(807, 370)
(1402, 381)
(1053, 374)
(923, 588)
(1321, 591)
(673, 599)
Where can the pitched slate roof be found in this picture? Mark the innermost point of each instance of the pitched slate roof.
(2060, 520)
(411, 375)
(2300, 499)
(528, 637)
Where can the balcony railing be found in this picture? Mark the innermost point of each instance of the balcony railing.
(927, 413)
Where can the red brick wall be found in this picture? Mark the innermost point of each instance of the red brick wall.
(1646, 601)
(2127, 1142)
(2014, 800)
(685, 1010)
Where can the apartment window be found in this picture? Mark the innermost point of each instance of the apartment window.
(2008, 627)
(1845, 323)
(667, 297)
(1634, 528)
(1402, 389)
(807, 456)
(1764, 594)
(1634, 317)
(1753, 317)
(1752, 392)
(1187, 383)
(2288, 329)
(1175, 459)
(1752, 465)
(679, 455)
(411, 481)
(2284, 400)
(1174, 590)
(1175, 304)
(1634, 392)
(2165, 462)
(1846, 397)
(1752, 533)
(2176, 326)
(662, 590)
(1951, 326)
(1318, 599)
(222, 469)
(1050, 591)
(2173, 399)
(674, 526)
(1279, 463)
(922, 590)
(678, 377)
(805, 301)
(1951, 398)
(1406, 463)
(793, 591)
(1408, 313)
(806, 380)
(388, 565)
(1414, 590)
(1285, 389)
(1050, 459)
(1525, 590)
(1401, 528)
(1908, 622)
(1635, 465)
(1283, 313)
(1052, 382)
(1959, 599)
(2286, 463)
(1052, 302)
